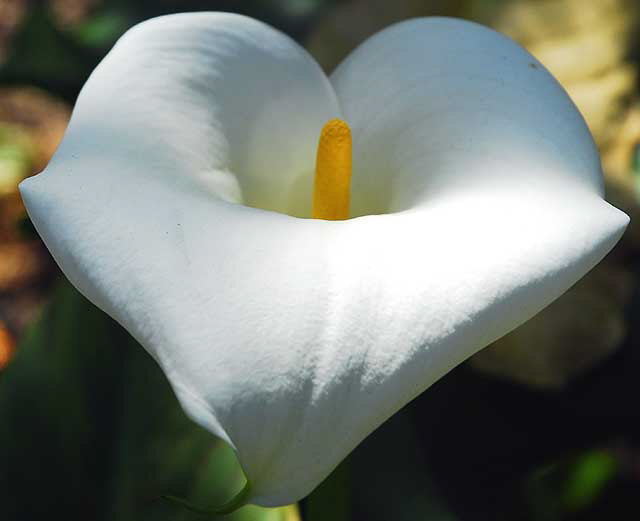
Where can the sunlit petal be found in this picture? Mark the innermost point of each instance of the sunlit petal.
(292, 338)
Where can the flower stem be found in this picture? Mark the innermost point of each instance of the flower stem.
(236, 502)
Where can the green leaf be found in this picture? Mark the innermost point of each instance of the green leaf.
(587, 478)
(102, 29)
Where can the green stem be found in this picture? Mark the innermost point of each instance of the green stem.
(236, 502)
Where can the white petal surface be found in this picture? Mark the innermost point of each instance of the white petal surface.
(217, 96)
(450, 105)
(293, 339)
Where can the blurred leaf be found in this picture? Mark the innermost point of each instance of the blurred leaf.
(386, 478)
(394, 476)
(53, 58)
(541, 492)
(332, 499)
(92, 430)
(102, 29)
(588, 476)
(16, 158)
(635, 169)
(299, 8)
(570, 484)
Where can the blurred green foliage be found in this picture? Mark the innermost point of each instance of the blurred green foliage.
(15, 158)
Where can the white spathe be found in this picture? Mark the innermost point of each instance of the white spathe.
(294, 338)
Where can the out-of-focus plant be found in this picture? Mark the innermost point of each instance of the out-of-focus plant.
(31, 126)
(91, 428)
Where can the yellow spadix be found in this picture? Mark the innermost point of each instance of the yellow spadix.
(332, 186)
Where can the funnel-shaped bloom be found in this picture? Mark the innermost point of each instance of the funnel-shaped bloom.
(174, 204)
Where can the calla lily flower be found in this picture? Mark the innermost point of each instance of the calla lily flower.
(180, 197)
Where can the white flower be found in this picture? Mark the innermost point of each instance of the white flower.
(476, 186)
